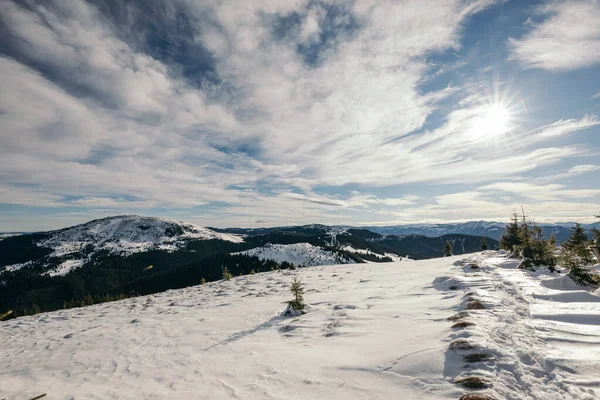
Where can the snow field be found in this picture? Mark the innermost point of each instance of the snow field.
(373, 331)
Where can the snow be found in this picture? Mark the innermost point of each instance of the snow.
(297, 254)
(129, 234)
(65, 267)
(373, 331)
(124, 235)
(16, 267)
(393, 256)
(5, 235)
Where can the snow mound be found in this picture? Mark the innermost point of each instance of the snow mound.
(298, 254)
(561, 283)
(129, 234)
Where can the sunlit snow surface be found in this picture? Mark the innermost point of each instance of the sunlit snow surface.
(373, 331)
(298, 254)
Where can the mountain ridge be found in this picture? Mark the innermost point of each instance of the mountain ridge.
(119, 255)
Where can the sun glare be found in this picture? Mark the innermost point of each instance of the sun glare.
(494, 120)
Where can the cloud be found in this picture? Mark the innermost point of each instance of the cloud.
(498, 203)
(229, 114)
(567, 39)
(582, 169)
(534, 192)
(569, 126)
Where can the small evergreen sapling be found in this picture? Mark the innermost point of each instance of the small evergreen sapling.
(484, 245)
(448, 249)
(296, 306)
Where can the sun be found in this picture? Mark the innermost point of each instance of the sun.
(492, 120)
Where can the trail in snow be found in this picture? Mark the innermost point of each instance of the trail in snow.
(374, 331)
(536, 342)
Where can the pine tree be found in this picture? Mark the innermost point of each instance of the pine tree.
(511, 237)
(537, 232)
(297, 290)
(484, 245)
(448, 249)
(578, 244)
(578, 236)
(596, 233)
(552, 239)
(226, 274)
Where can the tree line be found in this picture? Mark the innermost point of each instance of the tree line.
(524, 239)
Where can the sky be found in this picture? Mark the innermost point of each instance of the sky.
(268, 112)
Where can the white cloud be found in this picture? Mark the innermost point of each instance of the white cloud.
(534, 192)
(568, 126)
(571, 173)
(568, 38)
(582, 169)
(117, 129)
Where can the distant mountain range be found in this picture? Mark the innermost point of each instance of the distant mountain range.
(118, 255)
(488, 229)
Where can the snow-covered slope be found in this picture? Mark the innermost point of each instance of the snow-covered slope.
(120, 235)
(126, 234)
(373, 331)
(351, 249)
(297, 254)
(5, 235)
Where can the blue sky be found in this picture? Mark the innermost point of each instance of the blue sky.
(273, 112)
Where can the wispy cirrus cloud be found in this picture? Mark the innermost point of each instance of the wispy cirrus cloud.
(569, 126)
(224, 114)
(568, 37)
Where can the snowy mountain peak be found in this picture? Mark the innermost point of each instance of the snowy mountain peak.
(131, 233)
(123, 235)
